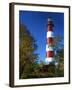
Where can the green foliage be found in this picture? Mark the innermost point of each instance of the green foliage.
(27, 46)
(59, 56)
(28, 59)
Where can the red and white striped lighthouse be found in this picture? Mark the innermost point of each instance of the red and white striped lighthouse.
(49, 42)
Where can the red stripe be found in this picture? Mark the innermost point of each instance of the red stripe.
(49, 54)
(49, 40)
(50, 23)
(50, 28)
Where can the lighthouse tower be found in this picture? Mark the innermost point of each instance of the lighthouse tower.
(49, 42)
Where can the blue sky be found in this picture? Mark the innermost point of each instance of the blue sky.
(36, 24)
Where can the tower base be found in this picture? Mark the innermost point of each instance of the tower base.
(49, 60)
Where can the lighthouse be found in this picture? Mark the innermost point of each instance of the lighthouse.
(49, 41)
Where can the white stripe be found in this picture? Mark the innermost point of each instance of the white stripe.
(48, 60)
(50, 34)
(49, 19)
(48, 48)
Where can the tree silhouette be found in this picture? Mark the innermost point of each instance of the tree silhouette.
(27, 46)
